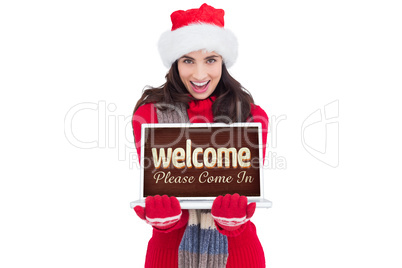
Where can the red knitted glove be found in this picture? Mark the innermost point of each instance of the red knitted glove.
(231, 211)
(161, 212)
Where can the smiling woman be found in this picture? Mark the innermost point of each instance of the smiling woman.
(199, 89)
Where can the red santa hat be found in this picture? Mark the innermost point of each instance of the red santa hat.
(198, 29)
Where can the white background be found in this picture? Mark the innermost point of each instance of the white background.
(65, 206)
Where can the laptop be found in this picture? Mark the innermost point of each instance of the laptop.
(196, 162)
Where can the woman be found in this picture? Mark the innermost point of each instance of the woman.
(199, 89)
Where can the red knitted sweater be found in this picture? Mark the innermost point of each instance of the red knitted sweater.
(244, 247)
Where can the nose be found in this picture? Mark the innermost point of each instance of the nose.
(200, 72)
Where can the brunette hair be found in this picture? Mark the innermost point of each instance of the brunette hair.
(232, 104)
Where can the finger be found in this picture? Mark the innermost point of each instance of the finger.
(150, 202)
(234, 201)
(166, 202)
(250, 210)
(175, 204)
(158, 201)
(140, 212)
(242, 203)
(226, 201)
(218, 202)
(216, 206)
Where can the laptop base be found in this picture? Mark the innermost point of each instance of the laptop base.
(205, 204)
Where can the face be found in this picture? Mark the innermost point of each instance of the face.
(200, 72)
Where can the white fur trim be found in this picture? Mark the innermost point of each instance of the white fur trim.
(174, 44)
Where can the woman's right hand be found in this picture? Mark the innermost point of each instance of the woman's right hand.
(162, 212)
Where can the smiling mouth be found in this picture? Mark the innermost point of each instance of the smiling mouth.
(200, 87)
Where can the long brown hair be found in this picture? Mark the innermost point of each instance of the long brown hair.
(232, 104)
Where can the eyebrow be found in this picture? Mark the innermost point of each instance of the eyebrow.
(207, 58)
(210, 57)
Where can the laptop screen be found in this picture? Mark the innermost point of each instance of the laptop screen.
(201, 161)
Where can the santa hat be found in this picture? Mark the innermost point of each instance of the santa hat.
(198, 29)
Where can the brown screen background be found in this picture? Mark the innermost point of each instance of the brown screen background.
(204, 137)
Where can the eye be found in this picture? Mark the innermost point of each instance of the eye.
(187, 61)
(211, 60)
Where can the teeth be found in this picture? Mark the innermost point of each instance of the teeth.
(200, 84)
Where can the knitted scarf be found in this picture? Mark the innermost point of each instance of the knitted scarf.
(202, 246)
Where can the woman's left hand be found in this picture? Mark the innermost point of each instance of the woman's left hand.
(232, 211)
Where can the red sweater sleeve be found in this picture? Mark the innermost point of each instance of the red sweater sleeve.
(144, 114)
(260, 116)
(245, 250)
(163, 247)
